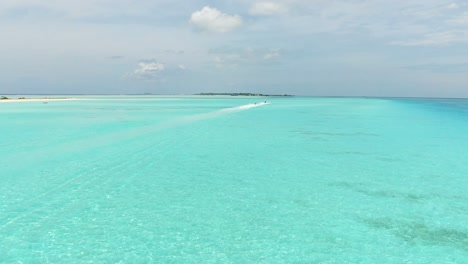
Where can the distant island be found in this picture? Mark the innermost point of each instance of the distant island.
(243, 94)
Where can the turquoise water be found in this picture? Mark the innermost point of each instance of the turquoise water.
(219, 180)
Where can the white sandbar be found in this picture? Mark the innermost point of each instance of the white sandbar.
(37, 100)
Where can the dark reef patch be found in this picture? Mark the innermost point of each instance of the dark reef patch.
(365, 189)
(420, 233)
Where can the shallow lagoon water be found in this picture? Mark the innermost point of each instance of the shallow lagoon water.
(214, 180)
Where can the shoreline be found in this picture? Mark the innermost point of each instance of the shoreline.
(12, 100)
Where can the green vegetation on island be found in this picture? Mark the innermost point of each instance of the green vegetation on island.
(22, 98)
(7, 98)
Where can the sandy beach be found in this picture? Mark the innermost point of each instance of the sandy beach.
(37, 100)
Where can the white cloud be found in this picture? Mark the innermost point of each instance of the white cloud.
(149, 69)
(267, 8)
(213, 20)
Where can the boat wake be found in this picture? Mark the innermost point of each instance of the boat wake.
(244, 107)
(222, 112)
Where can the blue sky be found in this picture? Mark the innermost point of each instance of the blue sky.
(302, 47)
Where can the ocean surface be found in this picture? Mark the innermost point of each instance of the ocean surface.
(193, 179)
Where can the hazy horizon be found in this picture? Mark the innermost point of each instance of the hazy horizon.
(378, 48)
